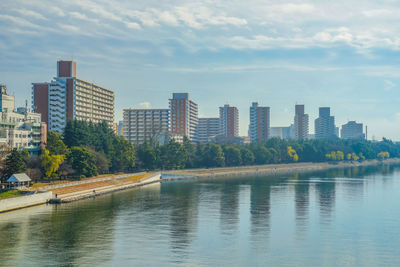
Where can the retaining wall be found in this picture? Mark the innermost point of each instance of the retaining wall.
(24, 201)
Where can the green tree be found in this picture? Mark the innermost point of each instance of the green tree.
(213, 156)
(262, 154)
(123, 158)
(55, 144)
(147, 156)
(83, 162)
(51, 163)
(14, 163)
(102, 162)
(173, 156)
(190, 153)
(232, 156)
(247, 156)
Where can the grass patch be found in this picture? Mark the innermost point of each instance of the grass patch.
(10, 194)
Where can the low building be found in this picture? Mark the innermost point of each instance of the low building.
(280, 132)
(165, 137)
(20, 128)
(229, 140)
(18, 179)
(352, 130)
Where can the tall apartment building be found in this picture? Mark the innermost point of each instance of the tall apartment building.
(67, 97)
(184, 116)
(259, 129)
(145, 125)
(229, 121)
(325, 124)
(300, 123)
(20, 128)
(352, 130)
(206, 128)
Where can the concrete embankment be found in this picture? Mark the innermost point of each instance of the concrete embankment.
(24, 201)
(88, 193)
(67, 192)
(271, 169)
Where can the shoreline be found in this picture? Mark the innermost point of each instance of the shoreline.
(91, 189)
(270, 169)
(119, 183)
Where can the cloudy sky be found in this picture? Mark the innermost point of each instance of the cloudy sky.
(318, 53)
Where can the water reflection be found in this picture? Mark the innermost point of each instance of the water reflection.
(248, 217)
(260, 198)
(183, 213)
(301, 198)
(229, 206)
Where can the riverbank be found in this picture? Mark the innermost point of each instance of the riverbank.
(91, 187)
(102, 186)
(77, 190)
(270, 169)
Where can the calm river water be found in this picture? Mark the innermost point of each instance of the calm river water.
(347, 217)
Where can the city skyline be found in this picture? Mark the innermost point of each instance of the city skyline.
(282, 53)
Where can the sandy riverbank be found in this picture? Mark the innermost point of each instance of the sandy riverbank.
(269, 169)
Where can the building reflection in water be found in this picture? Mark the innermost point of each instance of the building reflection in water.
(183, 214)
(260, 201)
(302, 200)
(229, 206)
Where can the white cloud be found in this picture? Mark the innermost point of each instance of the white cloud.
(30, 14)
(373, 13)
(56, 10)
(18, 21)
(81, 16)
(389, 85)
(294, 8)
(168, 18)
(69, 28)
(132, 25)
(145, 105)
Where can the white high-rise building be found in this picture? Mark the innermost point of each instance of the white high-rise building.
(300, 123)
(206, 128)
(145, 125)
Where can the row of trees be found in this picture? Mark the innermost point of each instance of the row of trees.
(87, 149)
(187, 155)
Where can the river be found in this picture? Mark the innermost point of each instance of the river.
(344, 217)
